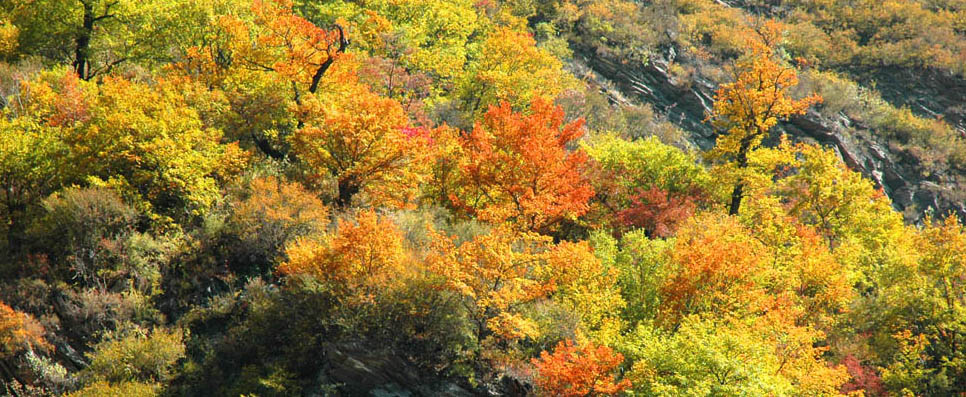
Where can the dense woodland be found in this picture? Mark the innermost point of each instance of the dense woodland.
(439, 197)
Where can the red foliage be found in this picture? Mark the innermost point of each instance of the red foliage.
(578, 371)
(657, 211)
(864, 378)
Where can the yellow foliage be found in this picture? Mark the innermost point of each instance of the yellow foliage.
(496, 273)
(513, 69)
(587, 289)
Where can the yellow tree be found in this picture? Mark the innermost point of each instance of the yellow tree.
(496, 274)
(513, 69)
(747, 108)
(144, 139)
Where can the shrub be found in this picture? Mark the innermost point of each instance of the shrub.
(267, 215)
(136, 356)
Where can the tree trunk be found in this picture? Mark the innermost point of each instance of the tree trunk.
(83, 41)
(739, 191)
(347, 188)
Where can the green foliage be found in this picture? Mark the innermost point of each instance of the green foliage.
(703, 358)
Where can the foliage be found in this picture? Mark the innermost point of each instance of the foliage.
(578, 371)
(105, 389)
(144, 140)
(269, 214)
(644, 183)
(363, 256)
(517, 168)
(513, 70)
(364, 142)
(495, 273)
(19, 332)
(747, 108)
(500, 197)
(139, 356)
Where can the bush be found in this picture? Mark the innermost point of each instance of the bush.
(266, 215)
(127, 389)
(79, 227)
(136, 356)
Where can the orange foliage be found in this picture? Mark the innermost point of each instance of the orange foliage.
(579, 371)
(19, 332)
(517, 168)
(362, 256)
(278, 41)
(362, 140)
(716, 269)
(657, 211)
(273, 212)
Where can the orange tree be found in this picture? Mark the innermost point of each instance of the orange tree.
(576, 371)
(361, 140)
(517, 168)
(361, 257)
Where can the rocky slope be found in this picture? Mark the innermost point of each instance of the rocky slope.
(686, 103)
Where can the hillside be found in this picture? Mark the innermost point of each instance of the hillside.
(494, 197)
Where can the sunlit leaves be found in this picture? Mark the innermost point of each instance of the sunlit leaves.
(574, 371)
(513, 69)
(747, 108)
(517, 168)
(363, 141)
(496, 273)
(19, 332)
(361, 256)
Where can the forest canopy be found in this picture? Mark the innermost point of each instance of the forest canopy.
(454, 197)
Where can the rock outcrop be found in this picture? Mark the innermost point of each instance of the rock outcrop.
(686, 104)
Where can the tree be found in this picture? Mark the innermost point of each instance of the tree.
(513, 69)
(288, 44)
(586, 287)
(517, 168)
(837, 201)
(364, 142)
(644, 183)
(575, 371)
(271, 39)
(496, 274)
(361, 258)
(747, 108)
(704, 358)
(920, 311)
(144, 140)
(717, 269)
(95, 36)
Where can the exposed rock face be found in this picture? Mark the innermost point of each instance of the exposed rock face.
(687, 104)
